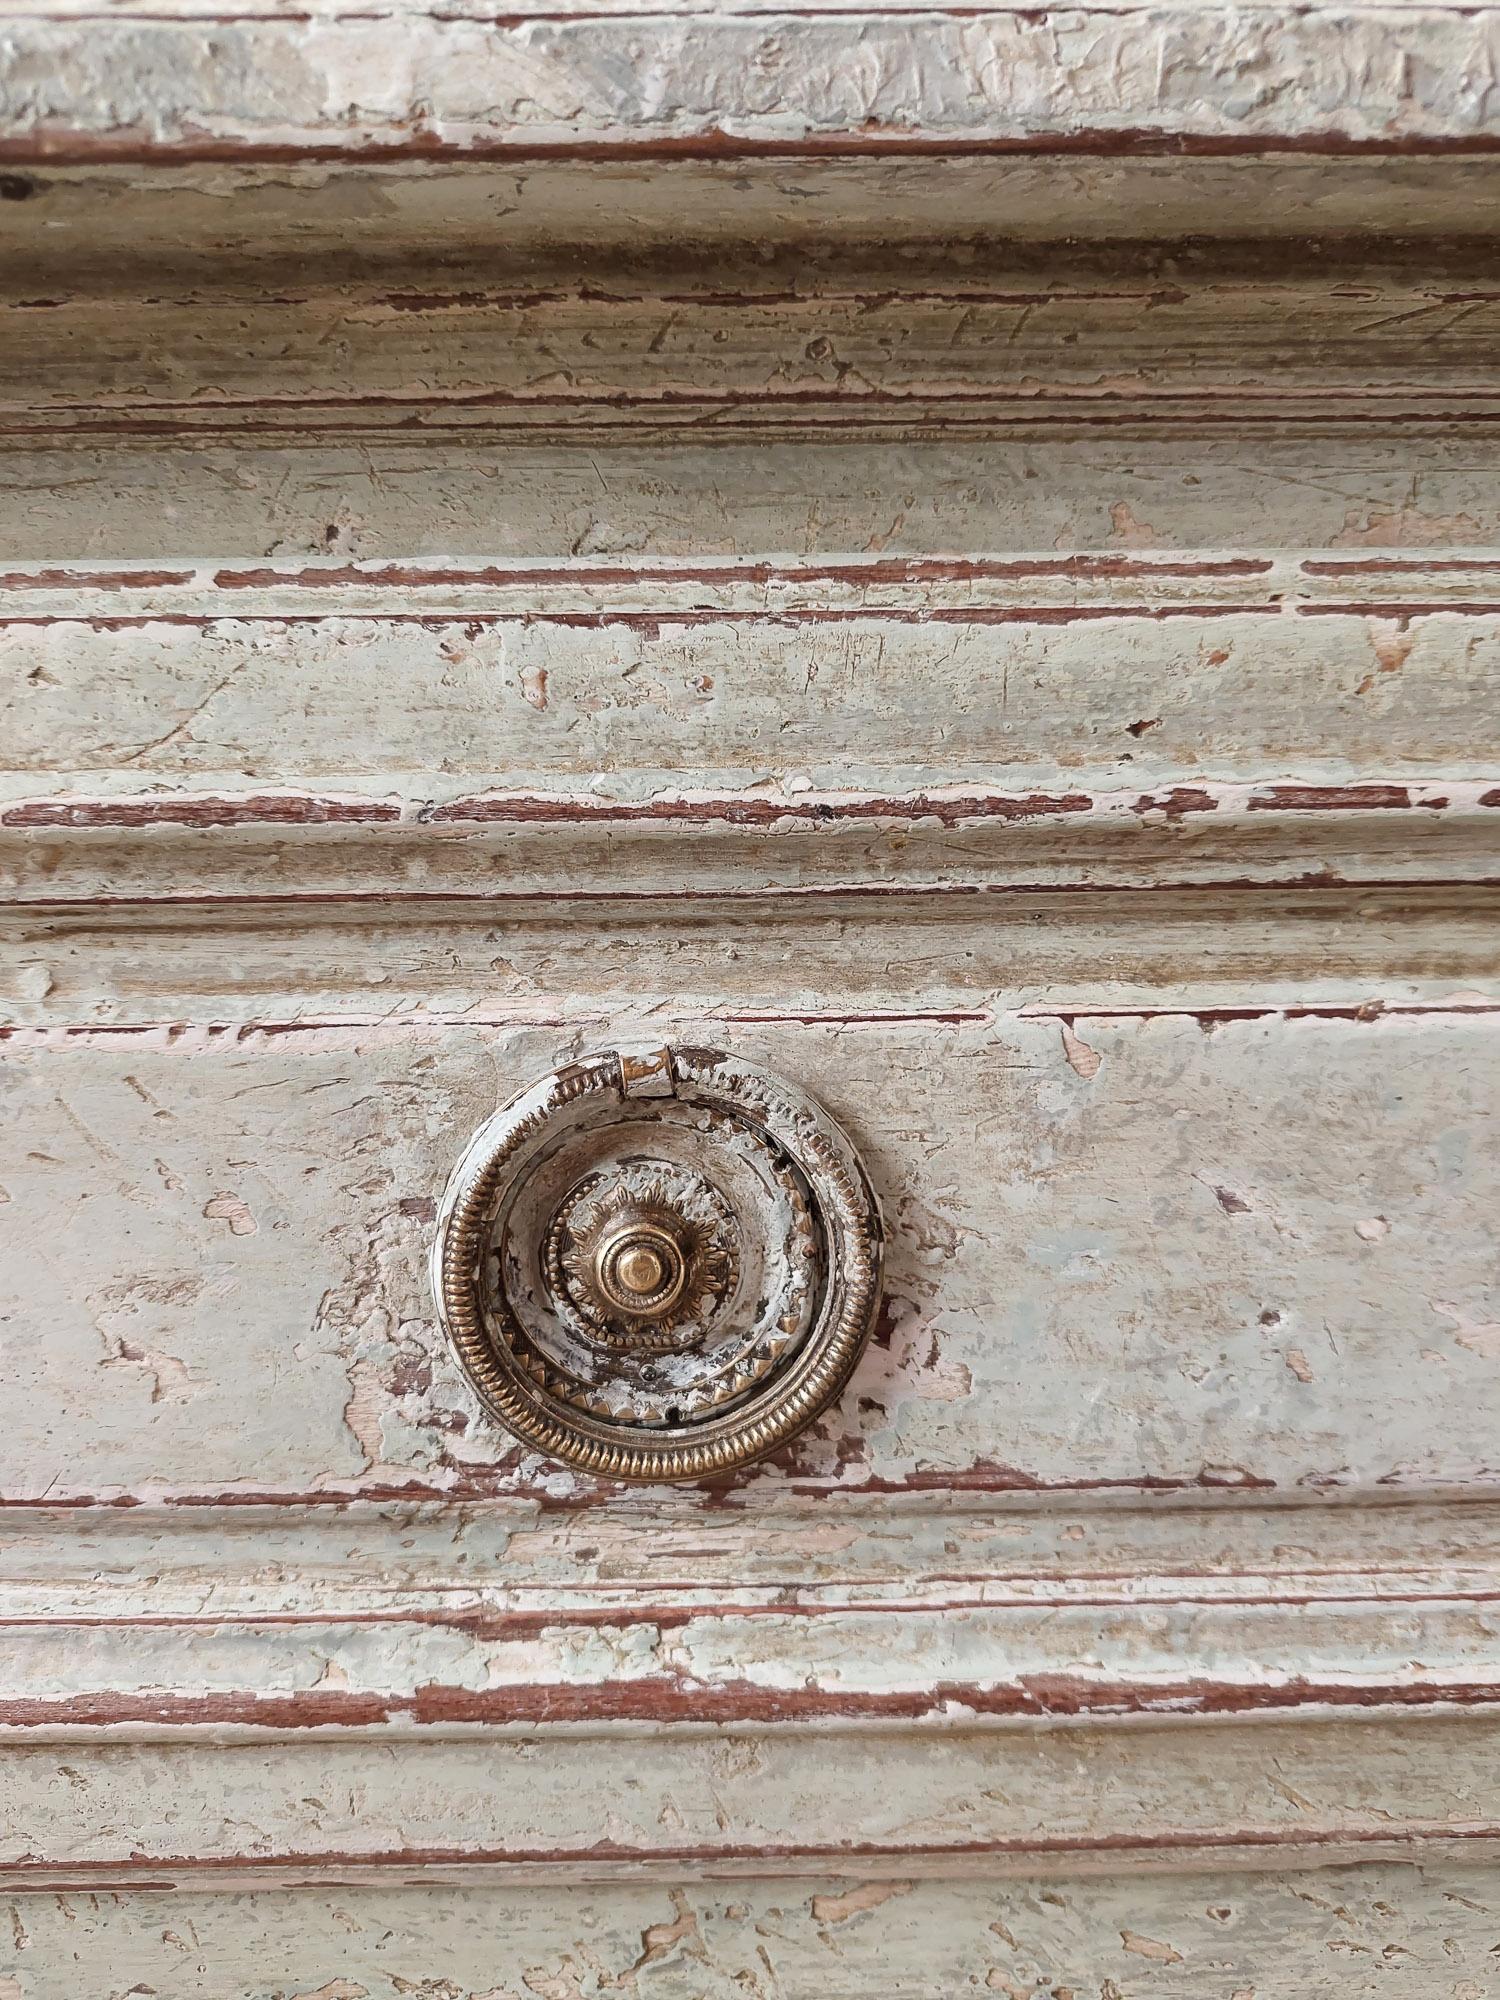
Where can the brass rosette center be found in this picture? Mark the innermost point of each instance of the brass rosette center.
(640, 1268)
(645, 1258)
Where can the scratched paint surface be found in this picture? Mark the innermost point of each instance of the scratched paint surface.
(1394, 1929)
(1125, 1251)
(149, 83)
(955, 554)
(1056, 673)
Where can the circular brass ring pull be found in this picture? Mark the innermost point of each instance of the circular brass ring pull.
(658, 1264)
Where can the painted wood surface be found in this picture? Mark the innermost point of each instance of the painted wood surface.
(419, 82)
(663, 1804)
(1012, 346)
(955, 553)
(1058, 675)
(1406, 1931)
(193, 976)
(1097, 482)
(82, 227)
(1283, 1284)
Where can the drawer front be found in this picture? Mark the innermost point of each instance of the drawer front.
(1127, 1253)
(1152, 1532)
(1030, 697)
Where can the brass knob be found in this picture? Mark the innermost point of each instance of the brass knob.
(641, 1270)
(658, 1264)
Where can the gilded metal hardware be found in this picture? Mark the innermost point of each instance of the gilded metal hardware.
(658, 1264)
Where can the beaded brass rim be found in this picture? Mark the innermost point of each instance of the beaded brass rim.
(785, 1308)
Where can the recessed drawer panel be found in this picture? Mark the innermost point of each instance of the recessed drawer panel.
(1124, 1252)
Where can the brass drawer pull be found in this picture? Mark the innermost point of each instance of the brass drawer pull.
(658, 1264)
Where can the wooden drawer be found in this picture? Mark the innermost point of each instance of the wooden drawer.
(987, 619)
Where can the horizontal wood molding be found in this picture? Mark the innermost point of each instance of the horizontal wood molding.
(952, 1801)
(1228, 1923)
(1116, 717)
(776, 1545)
(1041, 1688)
(421, 1667)
(195, 971)
(142, 85)
(400, 497)
(373, 1681)
(944, 1614)
(1307, 582)
(823, 222)
(1172, 336)
(887, 859)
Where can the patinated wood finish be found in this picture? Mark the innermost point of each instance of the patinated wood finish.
(954, 554)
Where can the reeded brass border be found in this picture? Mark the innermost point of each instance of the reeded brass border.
(853, 1247)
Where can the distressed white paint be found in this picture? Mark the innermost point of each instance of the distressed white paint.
(1153, 1273)
(1412, 1933)
(428, 81)
(669, 1802)
(517, 1553)
(1046, 672)
(425, 1671)
(1135, 914)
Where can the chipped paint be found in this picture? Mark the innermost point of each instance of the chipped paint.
(1064, 1301)
(521, 534)
(142, 88)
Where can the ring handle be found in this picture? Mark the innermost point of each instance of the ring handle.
(658, 1264)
